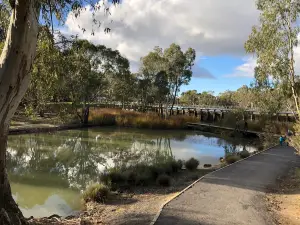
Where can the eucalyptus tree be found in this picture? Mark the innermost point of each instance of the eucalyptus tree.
(45, 74)
(273, 41)
(87, 68)
(153, 78)
(179, 68)
(15, 64)
(190, 97)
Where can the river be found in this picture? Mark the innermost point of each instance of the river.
(48, 171)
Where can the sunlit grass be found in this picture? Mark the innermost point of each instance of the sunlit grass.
(125, 118)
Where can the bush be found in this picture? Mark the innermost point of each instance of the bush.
(163, 180)
(112, 177)
(176, 165)
(244, 154)
(207, 165)
(144, 178)
(130, 177)
(96, 192)
(192, 164)
(231, 159)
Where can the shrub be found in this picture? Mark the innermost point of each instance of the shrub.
(163, 180)
(130, 177)
(112, 177)
(176, 165)
(96, 192)
(144, 178)
(192, 164)
(244, 154)
(231, 158)
(157, 170)
(207, 165)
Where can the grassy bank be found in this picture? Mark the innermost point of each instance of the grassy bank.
(134, 119)
(133, 194)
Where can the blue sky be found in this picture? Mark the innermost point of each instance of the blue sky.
(219, 67)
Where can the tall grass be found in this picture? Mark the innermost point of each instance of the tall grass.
(262, 124)
(126, 118)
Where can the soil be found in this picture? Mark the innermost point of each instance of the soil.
(284, 199)
(135, 207)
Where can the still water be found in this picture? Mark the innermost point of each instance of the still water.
(48, 171)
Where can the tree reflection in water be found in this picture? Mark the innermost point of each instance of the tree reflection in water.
(72, 159)
(75, 158)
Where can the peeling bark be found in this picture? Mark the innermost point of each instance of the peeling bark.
(15, 64)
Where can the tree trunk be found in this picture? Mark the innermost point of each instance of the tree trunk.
(174, 98)
(85, 114)
(15, 64)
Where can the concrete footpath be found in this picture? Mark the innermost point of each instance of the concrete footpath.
(233, 195)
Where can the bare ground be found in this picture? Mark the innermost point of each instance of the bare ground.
(284, 198)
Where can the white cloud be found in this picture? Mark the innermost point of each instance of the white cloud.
(211, 27)
(246, 69)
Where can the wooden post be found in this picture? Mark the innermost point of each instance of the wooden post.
(201, 115)
(214, 115)
(208, 115)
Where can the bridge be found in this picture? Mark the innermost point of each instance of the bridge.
(246, 133)
(212, 113)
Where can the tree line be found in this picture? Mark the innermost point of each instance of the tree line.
(265, 100)
(77, 71)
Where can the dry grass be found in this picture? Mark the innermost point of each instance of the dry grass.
(283, 199)
(126, 118)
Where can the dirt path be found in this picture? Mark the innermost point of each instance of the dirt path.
(234, 195)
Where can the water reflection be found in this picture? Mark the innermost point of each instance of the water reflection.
(47, 171)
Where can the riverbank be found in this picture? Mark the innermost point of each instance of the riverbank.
(136, 207)
(22, 124)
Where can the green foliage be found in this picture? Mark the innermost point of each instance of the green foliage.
(274, 41)
(192, 164)
(163, 180)
(244, 154)
(207, 165)
(96, 192)
(163, 72)
(140, 174)
(232, 159)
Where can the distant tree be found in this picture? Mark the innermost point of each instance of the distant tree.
(190, 97)
(179, 68)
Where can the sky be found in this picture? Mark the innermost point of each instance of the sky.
(216, 29)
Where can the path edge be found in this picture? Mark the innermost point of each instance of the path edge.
(191, 185)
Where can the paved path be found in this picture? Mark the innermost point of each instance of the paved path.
(232, 196)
